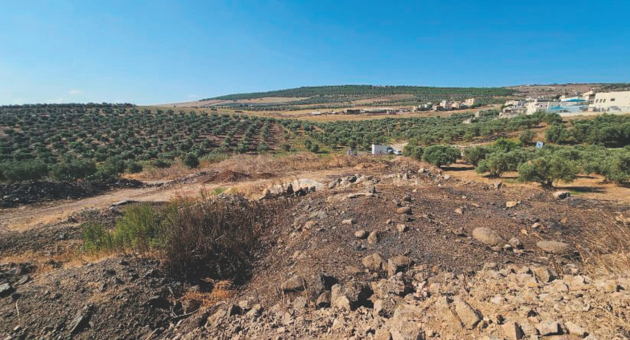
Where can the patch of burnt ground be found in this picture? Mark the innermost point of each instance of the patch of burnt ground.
(17, 194)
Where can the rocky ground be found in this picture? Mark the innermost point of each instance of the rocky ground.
(399, 253)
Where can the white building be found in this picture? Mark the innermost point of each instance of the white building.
(539, 105)
(515, 103)
(446, 104)
(470, 102)
(379, 149)
(611, 102)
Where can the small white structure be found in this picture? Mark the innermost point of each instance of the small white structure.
(378, 149)
(611, 102)
(540, 105)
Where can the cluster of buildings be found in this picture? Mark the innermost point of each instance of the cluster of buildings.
(447, 105)
(368, 111)
(613, 102)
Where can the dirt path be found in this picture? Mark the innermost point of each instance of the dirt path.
(25, 217)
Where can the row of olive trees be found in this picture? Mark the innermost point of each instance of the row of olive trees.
(547, 166)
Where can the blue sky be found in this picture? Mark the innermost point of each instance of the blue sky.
(155, 51)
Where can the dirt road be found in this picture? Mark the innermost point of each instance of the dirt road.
(25, 217)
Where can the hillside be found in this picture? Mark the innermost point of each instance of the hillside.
(353, 95)
(371, 90)
(346, 96)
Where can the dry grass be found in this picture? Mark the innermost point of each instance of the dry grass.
(607, 246)
(175, 171)
(222, 291)
(293, 162)
(29, 221)
(259, 164)
(67, 253)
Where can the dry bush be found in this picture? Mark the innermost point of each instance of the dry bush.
(607, 246)
(215, 238)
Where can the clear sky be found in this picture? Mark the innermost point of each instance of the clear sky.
(156, 51)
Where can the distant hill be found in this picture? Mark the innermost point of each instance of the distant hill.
(320, 97)
(370, 90)
(344, 96)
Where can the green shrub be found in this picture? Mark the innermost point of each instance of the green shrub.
(474, 155)
(161, 163)
(139, 229)
(527, 137)
(499, 162)
(96, 238)
(191, 161)
(286, 147)
(557, 133)
(71, 171)
(616, 167)
(29, 170)
(413, 152)
(548, 170)
(505, 145)
(262, 148)
(133, 167)
(112, 168)
(439, 155)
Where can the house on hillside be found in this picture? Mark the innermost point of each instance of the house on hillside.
(470, 102)
(611, 102)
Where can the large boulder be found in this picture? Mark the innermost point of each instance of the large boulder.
(406, 323)
(469, 316)
(444, 312)
(488, 236)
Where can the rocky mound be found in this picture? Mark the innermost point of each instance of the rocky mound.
(416, 303)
